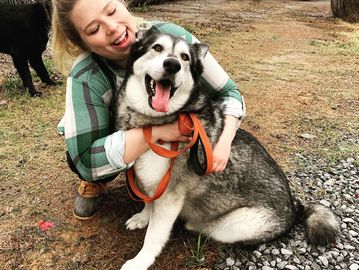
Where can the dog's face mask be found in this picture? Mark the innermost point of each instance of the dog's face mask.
(163, 72)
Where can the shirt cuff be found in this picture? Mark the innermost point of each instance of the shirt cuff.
(115, 150)
(235, 108)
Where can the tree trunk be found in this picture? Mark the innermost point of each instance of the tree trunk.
(346, 9)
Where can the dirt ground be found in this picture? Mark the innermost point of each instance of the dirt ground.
(297, 68)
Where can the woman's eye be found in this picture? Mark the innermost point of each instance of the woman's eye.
(157, 48)
(112, 12)
(184, 56)
(94, 30)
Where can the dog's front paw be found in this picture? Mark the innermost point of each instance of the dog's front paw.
(138, 221)
(135, 264)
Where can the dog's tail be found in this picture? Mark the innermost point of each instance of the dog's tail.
(321, 225)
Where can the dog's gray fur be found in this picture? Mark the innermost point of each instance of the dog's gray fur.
(250, 202)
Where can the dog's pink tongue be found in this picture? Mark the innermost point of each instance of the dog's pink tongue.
(161, 99)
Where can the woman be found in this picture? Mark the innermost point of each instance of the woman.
(100, 34)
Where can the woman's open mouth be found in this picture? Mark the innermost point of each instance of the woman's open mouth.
(120, 41)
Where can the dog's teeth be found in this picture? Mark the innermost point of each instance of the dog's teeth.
(152, 87)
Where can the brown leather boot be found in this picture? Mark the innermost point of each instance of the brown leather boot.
(88, 199)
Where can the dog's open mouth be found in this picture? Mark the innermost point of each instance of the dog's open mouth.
(159, 93)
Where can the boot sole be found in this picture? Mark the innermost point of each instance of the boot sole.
(83, 218)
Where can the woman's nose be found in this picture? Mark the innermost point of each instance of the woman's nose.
(111, 27)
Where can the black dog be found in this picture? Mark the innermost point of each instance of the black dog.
(24, 30)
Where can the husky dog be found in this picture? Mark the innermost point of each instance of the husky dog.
(250, 202)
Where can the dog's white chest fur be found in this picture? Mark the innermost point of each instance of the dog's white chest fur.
(150, 168)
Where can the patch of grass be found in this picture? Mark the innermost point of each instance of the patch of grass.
(331, 140)
(349, 46)
(49, 64)
(341, 150)
(275, 37)
(71, 265)
(50, 67)
(199, 253)
(13, 86)
(141, 8)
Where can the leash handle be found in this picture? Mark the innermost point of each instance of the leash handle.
(194, 161)
(187, 123)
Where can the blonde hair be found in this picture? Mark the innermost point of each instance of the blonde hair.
(66, 41)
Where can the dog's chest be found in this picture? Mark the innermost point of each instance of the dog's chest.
(150, 168)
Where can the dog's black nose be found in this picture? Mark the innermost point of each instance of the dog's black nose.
(172, 65)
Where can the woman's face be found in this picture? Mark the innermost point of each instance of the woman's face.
(106, 27)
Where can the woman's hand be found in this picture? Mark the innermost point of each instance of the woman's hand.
(221, 153)
(168, 133)
(222, 149)
(135, 144)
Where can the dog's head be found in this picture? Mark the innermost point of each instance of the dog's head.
(163, 72)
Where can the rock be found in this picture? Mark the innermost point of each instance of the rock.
(230, 261)
(340, 181)
(296, 260)
(349, 247)
(291, 267)
(330, 182)
(275, 252)
(323, 260)
(285, 251)
(307, 136)
(257, 254)
(281, 265)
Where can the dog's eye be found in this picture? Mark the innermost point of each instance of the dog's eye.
(184, 56)
(157, 48)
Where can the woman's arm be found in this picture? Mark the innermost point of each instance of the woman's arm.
(222, 149)
(223, 88)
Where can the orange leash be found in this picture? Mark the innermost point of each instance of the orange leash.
(187, 123)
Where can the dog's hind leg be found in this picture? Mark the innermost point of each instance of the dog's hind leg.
(38, 65)
(139, 220)
(247, 225)
(22, 66)
(163, 214)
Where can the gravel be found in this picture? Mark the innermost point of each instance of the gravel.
(335, 185)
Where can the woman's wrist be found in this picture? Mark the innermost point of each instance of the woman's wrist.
(230, 127)
(135, 144)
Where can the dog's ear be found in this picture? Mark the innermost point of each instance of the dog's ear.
(201, 50)
(142, 30)
(139, 35)
(198, 53)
